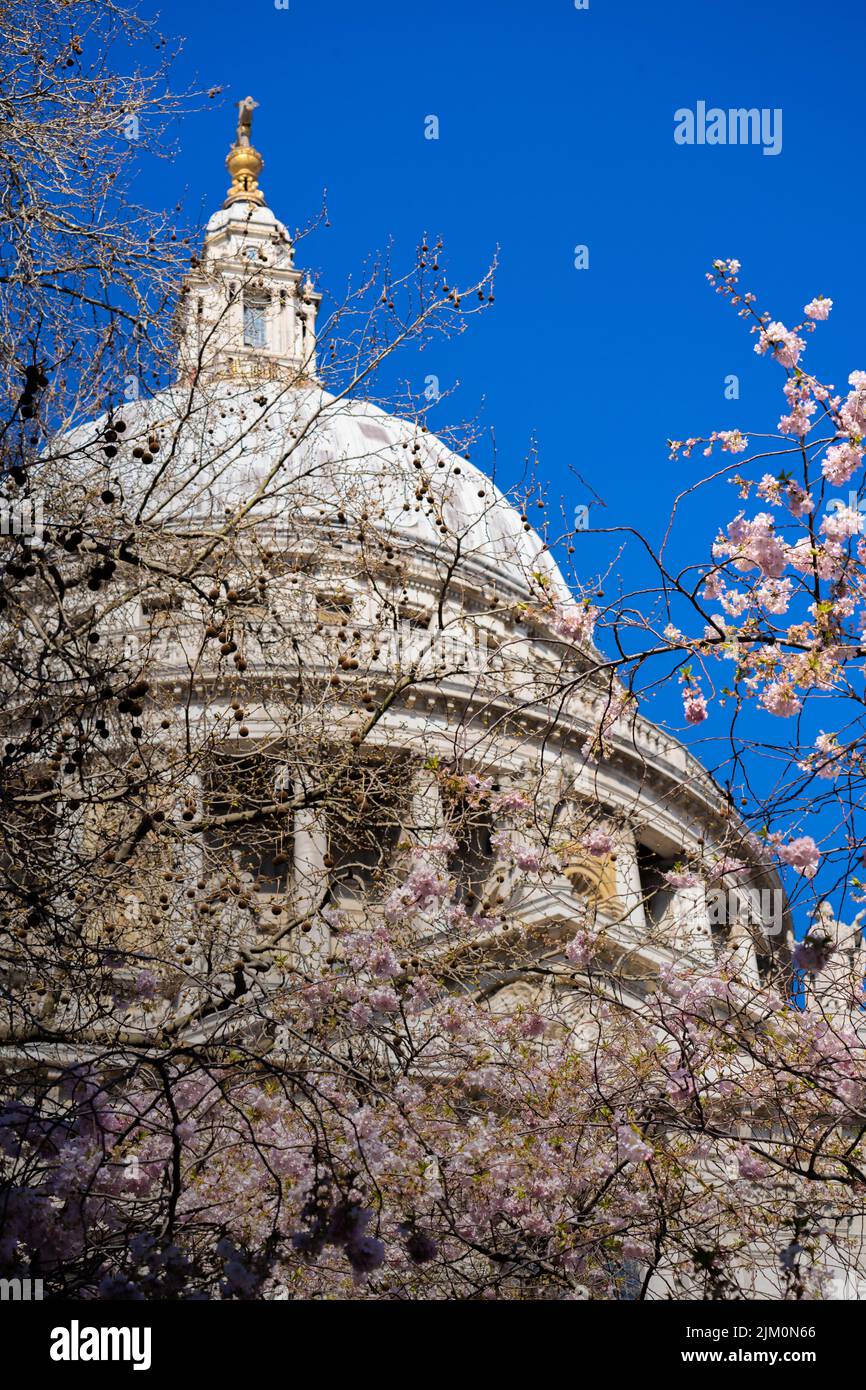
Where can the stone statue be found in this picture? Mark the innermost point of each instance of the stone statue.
(833, 954)
(245, 121)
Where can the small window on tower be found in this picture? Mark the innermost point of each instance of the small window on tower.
(255, 326)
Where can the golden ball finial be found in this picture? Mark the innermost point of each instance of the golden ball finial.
(243, 162)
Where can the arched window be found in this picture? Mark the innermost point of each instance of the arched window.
(592, 876)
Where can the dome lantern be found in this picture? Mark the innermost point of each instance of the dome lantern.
(246, 312)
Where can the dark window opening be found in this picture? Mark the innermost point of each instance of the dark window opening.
(471, 861)
(264, 848)
(28, 828)
(155, 604)
(764, 965)
(719, 936)
(656, 893)
(416, 618)
(365, 815)
(243, 595)
(334, 610)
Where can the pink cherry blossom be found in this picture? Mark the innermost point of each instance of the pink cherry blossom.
(424, 888)
(751, 1167)
(840, 463)
(785, 346)
(801, 854)
(510, 801)
(576, 624)
(842, 523)
(818, 308)
(598, 842)
(781, 699)
(632, 1147)
(681, 878)
(754, 542)
(579, 950)
(733, 441)
(694, 705)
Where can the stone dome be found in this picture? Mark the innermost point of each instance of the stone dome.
(251, 215)
(305, 454)
(249, 425)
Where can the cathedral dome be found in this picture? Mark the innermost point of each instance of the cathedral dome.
(364, 577)
(299, 455)
(248, 427)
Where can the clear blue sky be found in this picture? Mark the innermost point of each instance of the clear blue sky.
(556, 129)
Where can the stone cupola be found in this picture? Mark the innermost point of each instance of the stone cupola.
(246, 312)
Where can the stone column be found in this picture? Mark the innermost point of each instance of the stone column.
(426, 827)
(309, 877)
(629, 889)
(740, 941)
(285, 340)
(305, 332)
